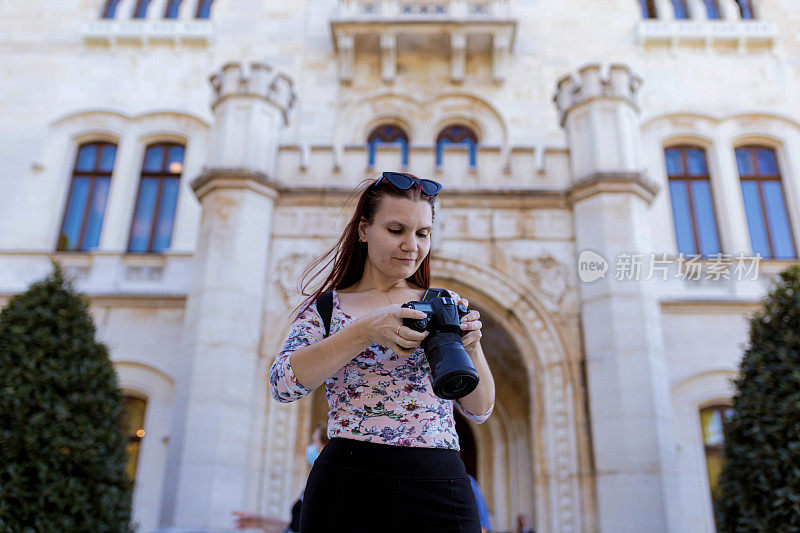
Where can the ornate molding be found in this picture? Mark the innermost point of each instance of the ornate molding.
(600, 182)
(548, 275)
(288, 270)
(234, 178)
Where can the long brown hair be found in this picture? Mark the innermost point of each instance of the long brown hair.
(349, 254)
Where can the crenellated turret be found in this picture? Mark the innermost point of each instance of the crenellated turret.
(250, 105)
(600, 113)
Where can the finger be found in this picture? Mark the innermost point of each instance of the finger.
(407, 312)
(465, 302)
(412, 334)
(402, 350)
(406, 343)
(472, 325)
(472, 315)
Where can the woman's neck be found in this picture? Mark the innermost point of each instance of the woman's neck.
(372, 280)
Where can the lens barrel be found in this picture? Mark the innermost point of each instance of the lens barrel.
(453, 374)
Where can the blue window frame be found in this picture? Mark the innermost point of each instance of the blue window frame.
(173, 9)
(712, 9)
(746, 9)
(692, 201)
(388, 135)
(681, 9)
(765, 203)
(83, 216)
(203, 9)
(648, 9)
(457, 136)
(140, 9)
(151, 231)
(110, 9)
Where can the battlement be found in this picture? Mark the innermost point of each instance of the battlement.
(256, 79)
(592, 82)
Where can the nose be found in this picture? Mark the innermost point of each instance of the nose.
(410, 244)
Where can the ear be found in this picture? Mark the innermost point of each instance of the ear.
(362, 230)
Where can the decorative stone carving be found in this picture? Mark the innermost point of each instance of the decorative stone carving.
(289, 270)
(150, 273)
(548, 275)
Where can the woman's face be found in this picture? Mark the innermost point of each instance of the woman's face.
(401, 230)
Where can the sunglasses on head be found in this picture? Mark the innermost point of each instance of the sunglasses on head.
(404, 181)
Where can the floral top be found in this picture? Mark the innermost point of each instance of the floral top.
(378, 396)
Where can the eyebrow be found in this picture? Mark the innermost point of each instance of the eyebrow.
(403, 225)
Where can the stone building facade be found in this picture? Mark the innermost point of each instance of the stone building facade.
(186, 160)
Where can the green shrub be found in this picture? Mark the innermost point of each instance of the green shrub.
(760, 484)
(62, 448)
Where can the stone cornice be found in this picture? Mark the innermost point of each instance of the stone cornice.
(234, 178)
(612, 182)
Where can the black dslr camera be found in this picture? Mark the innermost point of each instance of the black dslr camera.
(452, 373)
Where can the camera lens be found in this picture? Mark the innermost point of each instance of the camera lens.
(456, 385)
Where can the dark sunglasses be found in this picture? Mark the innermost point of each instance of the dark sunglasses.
(404, 181)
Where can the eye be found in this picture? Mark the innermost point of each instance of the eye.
(423, 235)
(395, 231)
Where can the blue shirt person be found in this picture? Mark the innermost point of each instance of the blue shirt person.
(483, 510)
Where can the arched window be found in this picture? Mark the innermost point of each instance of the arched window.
(692, 201)
(91, 177)
(648, 9)
(151, 231)
(172, 10)
(746, 9)
(140, 10)
(110, 9)
(712, 420)
(712, 9)
(764, 202)
(203, 9)
(681, 9)
(459, 136)
(388, 135)
(133, 411)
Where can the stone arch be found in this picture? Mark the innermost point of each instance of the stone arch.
(360, 118)
(158, 389)
(688, 396)
(553, 378)
(468, 109)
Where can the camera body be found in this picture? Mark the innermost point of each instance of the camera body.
(453, 374)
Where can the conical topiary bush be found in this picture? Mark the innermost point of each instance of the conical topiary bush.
(760, 484)
(62, 449)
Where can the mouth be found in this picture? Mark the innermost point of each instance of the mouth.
(407, 261)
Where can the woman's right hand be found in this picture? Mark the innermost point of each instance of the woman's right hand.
(384, 326)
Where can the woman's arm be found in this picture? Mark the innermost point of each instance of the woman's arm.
(307, 359)
(314, 364)
(478, 404)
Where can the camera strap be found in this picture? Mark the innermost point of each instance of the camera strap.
(325, 310)
(325, 304)
(432, 293)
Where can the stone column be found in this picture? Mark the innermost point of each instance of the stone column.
(224, 308)
(629, 405)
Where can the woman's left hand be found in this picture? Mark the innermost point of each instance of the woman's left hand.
(471, 326)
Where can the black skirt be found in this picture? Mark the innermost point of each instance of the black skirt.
(357, 486)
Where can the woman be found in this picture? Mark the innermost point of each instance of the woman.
(392, 463)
